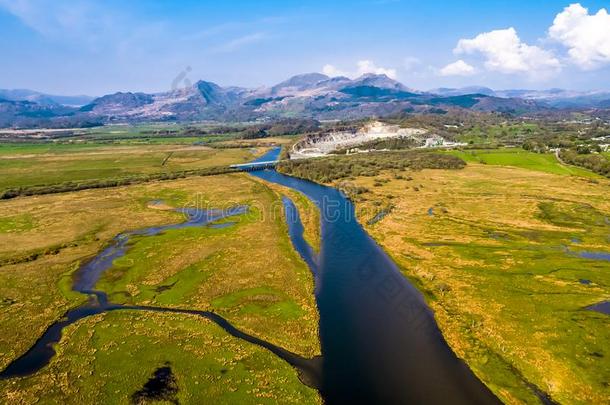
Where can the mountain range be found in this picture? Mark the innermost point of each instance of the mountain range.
(44, 99)
(311, 95)
(555, 98)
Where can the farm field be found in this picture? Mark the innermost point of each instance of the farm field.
(523, 159)
(42, 164)
(245, 271)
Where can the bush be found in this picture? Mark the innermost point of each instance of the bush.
(594, 162)
(328, 169)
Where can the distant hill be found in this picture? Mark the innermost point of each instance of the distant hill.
(27, 114)
(443, 91)
(44, 99)
(311, 95)
(299, 82)
(556, 98)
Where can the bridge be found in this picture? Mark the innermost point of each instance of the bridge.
(249, 167)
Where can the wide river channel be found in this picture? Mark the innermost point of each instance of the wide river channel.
(380, 342)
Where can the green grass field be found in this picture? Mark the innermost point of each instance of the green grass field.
(14, 149)
(43, 164)
(106, 359)
(498, 133)
(105, 139)
(126, 132)
(523, 159)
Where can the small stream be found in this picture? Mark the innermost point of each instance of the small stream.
(41, 353)
(295, 230)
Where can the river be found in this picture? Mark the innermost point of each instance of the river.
(380, 342)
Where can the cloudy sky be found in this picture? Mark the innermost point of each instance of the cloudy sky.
(94, 47)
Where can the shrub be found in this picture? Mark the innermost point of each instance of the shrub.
(332, 168)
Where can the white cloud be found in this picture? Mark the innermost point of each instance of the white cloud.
(367, 66)
(362, 67)
(587, 36)
(504, 52)
(333, 71)
(411, 63)
(458, 68)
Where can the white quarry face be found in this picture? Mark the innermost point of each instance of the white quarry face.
(332, 141)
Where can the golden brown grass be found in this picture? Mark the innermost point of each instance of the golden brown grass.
(259, 142)
(491, 258)
(248, 273)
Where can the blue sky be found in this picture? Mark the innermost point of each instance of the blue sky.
(89, 47)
